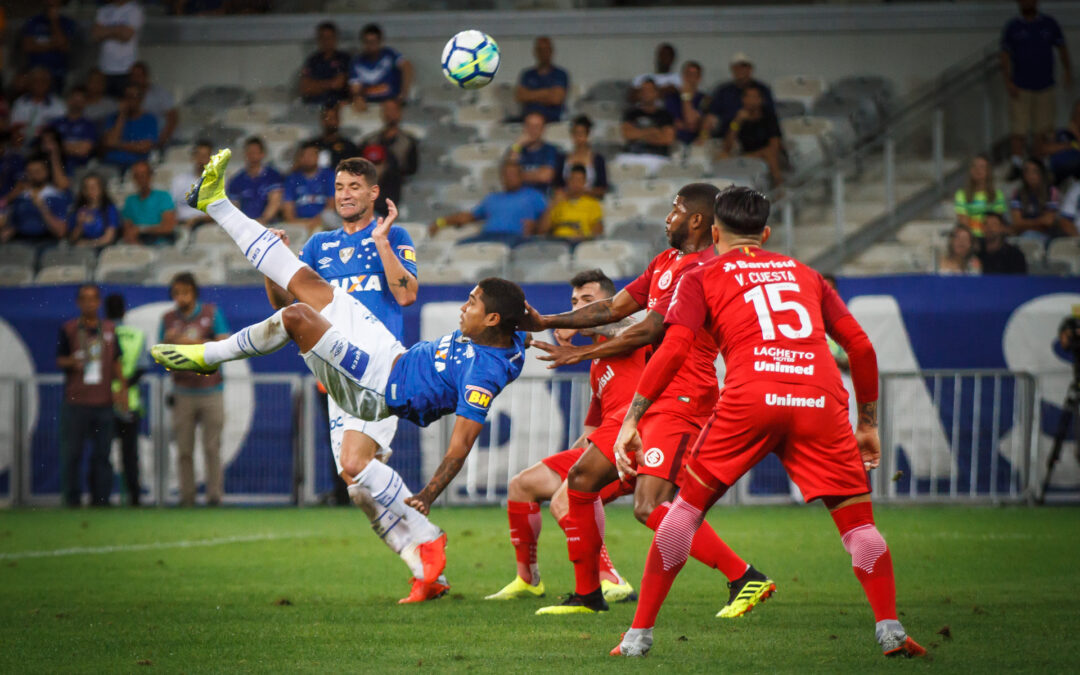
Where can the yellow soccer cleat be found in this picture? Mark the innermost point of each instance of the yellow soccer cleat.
(617, 592)
(593, 603)
(749, 590)
(518, 589)
(211, 184)
(183, 357)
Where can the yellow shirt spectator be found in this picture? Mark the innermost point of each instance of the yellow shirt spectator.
(577, 218)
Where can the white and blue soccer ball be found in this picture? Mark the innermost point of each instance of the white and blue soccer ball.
(470, 59)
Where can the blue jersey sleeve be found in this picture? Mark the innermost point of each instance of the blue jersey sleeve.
(403, 247)
(274, 180)
(290, 188)
(478, 391)
(480, 211)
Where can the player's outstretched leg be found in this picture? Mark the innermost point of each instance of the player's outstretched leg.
(258, 339)
(872, 564)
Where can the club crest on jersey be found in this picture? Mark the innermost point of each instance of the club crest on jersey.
(665, 281)
(478, 397)
(346, 254)
(407, 253)
(654, 457)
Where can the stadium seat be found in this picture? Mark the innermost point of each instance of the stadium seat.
(247, 116)
(243, 276)
(473, 257)
(123, 256)
(624, 173)
(614, 91)
(541, 251)
(748, 171)
(611, 249)
(558, 133)
(681, 173)
(875, 88)
(1034, 250)
(1066, 251)
(465, 194)
(17, 253)
(475, 156)
(206, 273)
(480, 116)
(69, 255)
(616, 269)
(62, 274)
(804, 89)
(503, 134)
(618, 211)
(369, 119)
(123, 275)
(297, 233)
(442, 274)
(15, 275)
(536, 272)
(210, 235)
(647, 191)
(283, 133)
(788, 109)
(417, 231)
(499, 95)
(219, 97)
(862, 114)
(431, 251)
(272, 94)
(601, 110)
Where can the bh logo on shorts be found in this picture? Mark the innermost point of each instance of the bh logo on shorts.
(665, 281)
(654, 457)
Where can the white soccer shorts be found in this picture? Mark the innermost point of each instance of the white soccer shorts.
(382, 432)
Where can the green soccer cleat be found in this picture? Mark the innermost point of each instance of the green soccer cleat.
(517, 589)
(613, 592)
(211, 184)
(593, 603)
(749, 590)
(183, 357)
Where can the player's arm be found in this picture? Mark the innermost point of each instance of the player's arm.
(453, 220)
(403, 284)
(593, 314)
(465, 433)
(644, 332)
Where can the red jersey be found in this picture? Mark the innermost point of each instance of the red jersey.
(769, 314)
(613, 381)
(694, 385)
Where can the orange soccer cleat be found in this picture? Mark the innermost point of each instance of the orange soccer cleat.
(421, 591)
(433, 556)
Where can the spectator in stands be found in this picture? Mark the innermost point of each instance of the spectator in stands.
(38, 107)
(149, 214)
(689, 106)
(577, 216)
(117, 26)
(387, 176)
(1035, 205)
(333, 146)
(401, 144)
(182, 181)
(197, 399)
(78, 133)
(88, 353)
(1064, 150)
(648, 129)
(99, 105)
(538, 159)
(38, 212)
(509, 216)
(49, 145)
(960, 254)
(727, 98)
(324, 77)
(257, 188)
(12, 165)
(46, 40)
(156, 101)
(309, 190)
(665, 78)
(94, 220)
(756, 131)
(998, 256)
(542, 88)
(582, 154)
(378, 73)
(131, 132)
(134, 363)
(980, 196)
(1027, 63)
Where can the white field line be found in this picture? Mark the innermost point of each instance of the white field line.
(126, 548)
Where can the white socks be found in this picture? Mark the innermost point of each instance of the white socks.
(256, 340)
(262, 247)
(393, 530)
(389, 490)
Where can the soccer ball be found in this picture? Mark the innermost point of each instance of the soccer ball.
(470, 59)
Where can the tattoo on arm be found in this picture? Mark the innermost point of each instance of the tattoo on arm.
(403, 282)
(637, 408)
(610, 330)
(443, 475)
(868, 414)
(592, 314)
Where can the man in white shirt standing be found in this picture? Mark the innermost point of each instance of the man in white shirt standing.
(116, 27)
(181, 183)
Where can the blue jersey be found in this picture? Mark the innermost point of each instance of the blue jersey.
(351, 262)
(251, 194)
(451, 375)
(310, 194)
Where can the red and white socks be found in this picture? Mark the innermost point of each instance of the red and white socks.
(525, 522)
(870, 557)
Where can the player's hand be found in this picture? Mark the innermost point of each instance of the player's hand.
(533, 321)
(419, 502)
(626, 445)
(563, 336)
(558, 355)
(280, 234)
(866, 437)
(382, 225)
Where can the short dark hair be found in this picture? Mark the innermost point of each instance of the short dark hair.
(504, 298)
(594, 276)
(309, 144)
(359, 166)
(203, 143)
(186, 279)
(255, 140)
(582, 121)
(700, 198)
(114, 306)
(371, 29)
(579, 168)
(693, 64)
(87, 284)
(327, 25)
(36, 159)
(742, 210)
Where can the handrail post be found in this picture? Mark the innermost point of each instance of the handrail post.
(890, 177)
(789, 227)
(838, 205)
(938, 144)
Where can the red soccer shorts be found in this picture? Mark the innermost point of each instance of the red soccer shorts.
(561, 462)
(808, 429)
(667, 440)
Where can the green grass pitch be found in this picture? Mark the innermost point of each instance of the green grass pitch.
(284, 590)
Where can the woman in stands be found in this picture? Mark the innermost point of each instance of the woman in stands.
(583, 154)
(94, 220)
(1034, 205)
(960, 256)
(979, 197)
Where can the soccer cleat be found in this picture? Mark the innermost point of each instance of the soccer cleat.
(183, 357)
(516, 589)
(894, 640)
(433, 556)
(635, 642)
(211, 184)
(613, 592)
(747, 592)
(421, 592)
(593, 603)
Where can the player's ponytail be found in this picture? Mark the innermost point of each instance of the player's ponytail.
(506, 299)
